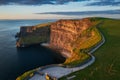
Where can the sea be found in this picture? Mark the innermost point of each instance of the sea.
(15, 61)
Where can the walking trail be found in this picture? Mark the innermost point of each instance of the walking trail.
(58, 71)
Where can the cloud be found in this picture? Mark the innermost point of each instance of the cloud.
(36, 2)
(105, 3)
(83, 13)
(24, 2)
(55, 2)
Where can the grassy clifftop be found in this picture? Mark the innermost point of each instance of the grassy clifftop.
(107, 65)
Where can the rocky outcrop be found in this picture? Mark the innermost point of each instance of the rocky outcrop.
(64, 32)
(72, 38)
(26, 30)
(30, 35)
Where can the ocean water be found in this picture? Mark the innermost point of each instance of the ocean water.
(13, 61)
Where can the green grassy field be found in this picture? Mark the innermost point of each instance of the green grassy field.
(107, 64)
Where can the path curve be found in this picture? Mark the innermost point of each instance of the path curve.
(58, 71)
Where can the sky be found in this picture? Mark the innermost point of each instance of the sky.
(58, 9)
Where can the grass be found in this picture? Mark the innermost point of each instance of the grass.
(26, 75)
(92, 40)
(77, 59)
(43, 25)
(87, 40)
(107, 64)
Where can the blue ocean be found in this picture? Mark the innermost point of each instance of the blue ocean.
(13, 61)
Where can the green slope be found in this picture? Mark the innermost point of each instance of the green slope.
(82, 47)
(107, 64)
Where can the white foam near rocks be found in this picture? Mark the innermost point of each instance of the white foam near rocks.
(45, 44)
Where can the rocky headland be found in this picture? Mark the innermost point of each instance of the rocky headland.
(30, 35)
(71, 38)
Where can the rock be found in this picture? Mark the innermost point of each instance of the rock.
(17, 35)
(30, 35)
(65, 32)
(17, 44)
(60, 34)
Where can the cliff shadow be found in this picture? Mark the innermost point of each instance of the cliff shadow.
(35, 56)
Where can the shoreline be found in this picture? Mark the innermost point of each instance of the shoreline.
(50, 69)
(59, 71)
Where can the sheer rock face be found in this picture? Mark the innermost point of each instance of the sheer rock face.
(34, 31)
(64, 32)
(29, 32)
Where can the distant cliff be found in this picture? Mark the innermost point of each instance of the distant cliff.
(30, 35)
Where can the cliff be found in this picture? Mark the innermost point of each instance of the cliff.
(72, 38)
(29, 35)
(65, 32)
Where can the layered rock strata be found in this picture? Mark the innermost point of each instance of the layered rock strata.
(30, 35)
(64, 32)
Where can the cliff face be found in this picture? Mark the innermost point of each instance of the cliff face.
(65, 32)
(34, 31)
(72, 38)
(26, 30)
(29, 35)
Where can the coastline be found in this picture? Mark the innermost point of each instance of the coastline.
(51, 69)
(59, 71)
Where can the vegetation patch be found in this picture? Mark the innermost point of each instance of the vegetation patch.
(43, 25)
(26, 75)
